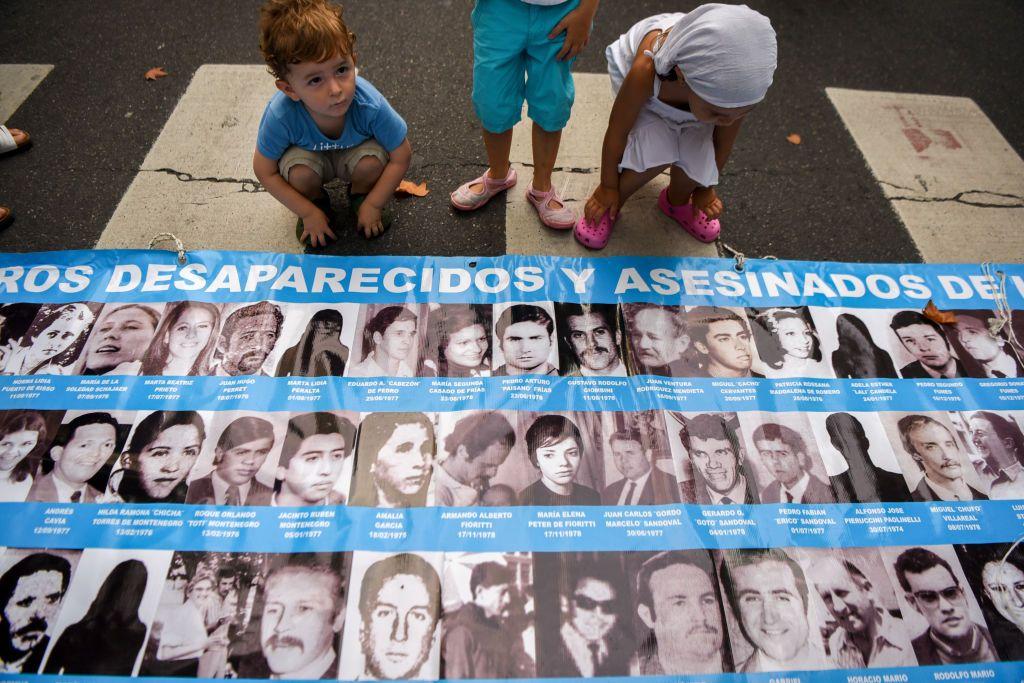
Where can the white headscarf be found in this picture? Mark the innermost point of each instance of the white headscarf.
(727, 54)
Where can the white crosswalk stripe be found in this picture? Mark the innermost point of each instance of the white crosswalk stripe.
(954, 181)
(17, 81)
(641, 229)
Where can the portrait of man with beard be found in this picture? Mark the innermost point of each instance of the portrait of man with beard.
(31, 592)
(590, 340)
(394, 460)
(678, 600)
(399, 610)
(303, 614)
(247, 339)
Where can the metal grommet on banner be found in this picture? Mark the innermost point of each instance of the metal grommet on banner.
(179, 245)
(740, 257)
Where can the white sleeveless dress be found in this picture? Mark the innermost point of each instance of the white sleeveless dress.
(662, 135)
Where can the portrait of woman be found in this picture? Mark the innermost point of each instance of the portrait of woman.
(184, 638)
(787, 342)
(555, 447)
(184, 342)
(457, 343)
(53, 341)
(858, 357)
(319, 352)
(999, 440)
(22, 442)
(159, 457)
(107, 640)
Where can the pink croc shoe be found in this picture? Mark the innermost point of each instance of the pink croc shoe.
(465, 199)
(691, 220)
(561, 218)
(594, 235)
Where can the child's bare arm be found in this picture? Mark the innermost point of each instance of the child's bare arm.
(313, 219)
(370, 212)
(635, 91)
(576, 25)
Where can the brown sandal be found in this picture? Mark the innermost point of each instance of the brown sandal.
(6, 216)
(9, 144)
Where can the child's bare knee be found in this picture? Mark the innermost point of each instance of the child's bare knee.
(367, 170)
(305, 180)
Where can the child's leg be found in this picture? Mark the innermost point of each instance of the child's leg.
(365, 174)
(306, 181)
(680, 187)
(499, 148)
(631, 181)
(545, 152)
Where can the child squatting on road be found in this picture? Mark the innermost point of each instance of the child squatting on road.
(325, 122)
(683, 84)
(524, 50)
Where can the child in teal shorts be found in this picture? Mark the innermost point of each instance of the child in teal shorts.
(523, 50)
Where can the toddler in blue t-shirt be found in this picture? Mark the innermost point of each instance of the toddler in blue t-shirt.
(325, 122)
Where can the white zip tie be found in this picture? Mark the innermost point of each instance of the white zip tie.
(741, 258)
(167, 237)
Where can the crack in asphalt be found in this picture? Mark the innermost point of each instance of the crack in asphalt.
(248, 185)
(964, 198)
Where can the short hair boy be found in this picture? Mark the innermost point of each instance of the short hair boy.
(325, 123)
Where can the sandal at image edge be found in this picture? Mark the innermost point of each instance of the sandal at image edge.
(465, 199)
(692, 220)
(561, 218)
(594, 235)
(8, 143)
(6, 216)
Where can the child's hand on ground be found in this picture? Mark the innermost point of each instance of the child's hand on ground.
(576, 26)
(369, 220)
(603, 199)
(705, 199)
(316, 227)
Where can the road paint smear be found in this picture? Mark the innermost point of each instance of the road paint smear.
(641, 230)
(17, 81)
(953, 179)
(197, 180)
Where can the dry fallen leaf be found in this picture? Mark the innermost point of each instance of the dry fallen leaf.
(932, 312)
(155, 73)
(408, 187)
(794, 138)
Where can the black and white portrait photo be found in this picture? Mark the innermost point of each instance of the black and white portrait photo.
(852, 342)
(15, 321)
(679, 603)
(997, 437)
(638, 462)
(52, 343)
(77, 466)
(933, 456)
(722, 343)
(235, 467)
(995, 573)
(488, 625)
(316, 340)
(772, 624)
(106, 614)
(659, 343)
(316, 461)
(25, 436)
(583, 616)
(524, 340)
(32, 588)
(394, 617)
(120, 338)
(564, 461)
(185, 340)
(858, 458)
(787, 342)
(390, 343)
(864, 626)
(473, 446)
(711, 460)
(590, 340)
(394, 460)
(943, 616)
(247, 339)
(162, 448)
(928, 347)
(785, 458)
(986, 354)
(457, 342)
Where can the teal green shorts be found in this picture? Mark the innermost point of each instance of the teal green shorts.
(514, 61)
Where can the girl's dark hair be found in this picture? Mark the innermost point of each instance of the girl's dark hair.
(158, 422)
(446, 321)
(25, 421)
(858, 357)
(118, 599)
(156, 356)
